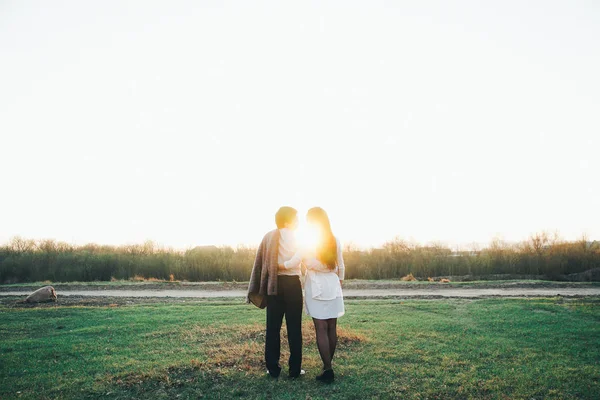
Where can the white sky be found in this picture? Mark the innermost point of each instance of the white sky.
(191, 122)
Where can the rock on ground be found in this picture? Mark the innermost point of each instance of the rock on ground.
(47, 293)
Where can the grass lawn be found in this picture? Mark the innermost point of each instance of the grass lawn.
(491, 348)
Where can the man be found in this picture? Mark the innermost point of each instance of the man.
(280, 291)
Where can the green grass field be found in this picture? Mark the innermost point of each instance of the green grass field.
(492, 348)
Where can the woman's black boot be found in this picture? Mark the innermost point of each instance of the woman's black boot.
(327, 376)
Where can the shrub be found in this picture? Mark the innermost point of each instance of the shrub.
(28, 261)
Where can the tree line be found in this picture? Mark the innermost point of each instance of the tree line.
(25, 260)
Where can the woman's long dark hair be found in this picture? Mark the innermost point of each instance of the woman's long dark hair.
(327, 248)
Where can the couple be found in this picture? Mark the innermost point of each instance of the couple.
(275, 284)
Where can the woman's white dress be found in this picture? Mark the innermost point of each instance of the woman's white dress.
(323, 292)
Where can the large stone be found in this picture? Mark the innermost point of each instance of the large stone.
(42, 295)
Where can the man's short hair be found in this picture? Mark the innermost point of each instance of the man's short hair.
(285, 215)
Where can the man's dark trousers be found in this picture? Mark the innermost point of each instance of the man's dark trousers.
(288, 302)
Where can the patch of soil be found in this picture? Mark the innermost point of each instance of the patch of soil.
(433, 286)
(89, 301)
(214, 286)
(241, 347)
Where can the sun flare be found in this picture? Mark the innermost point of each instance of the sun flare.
(308, 237)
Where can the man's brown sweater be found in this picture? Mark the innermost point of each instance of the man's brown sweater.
(263, 280)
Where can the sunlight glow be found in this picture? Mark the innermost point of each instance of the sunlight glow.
(308, 237)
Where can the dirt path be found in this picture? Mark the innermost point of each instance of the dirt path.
(349, 293)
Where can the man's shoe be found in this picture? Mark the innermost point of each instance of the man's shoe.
(275, 373)
(327, 376)
(297, 375)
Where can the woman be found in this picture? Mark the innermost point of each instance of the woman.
(323, 287)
